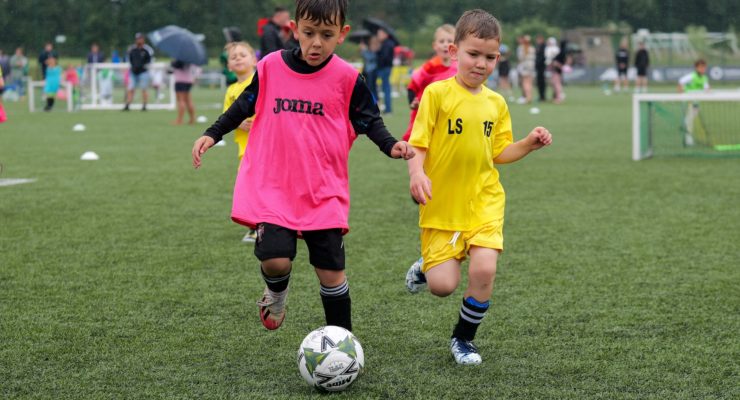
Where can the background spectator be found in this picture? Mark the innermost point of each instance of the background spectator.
(4, 63)
(139, 56)
(540, 65)
(19, 71)
(642, 62)
(370, 63)
(95, 55)
(272, 38)
(525, 68)
(622, 59)
(557, 65)
(47, 52)
(184, 75)
(385, 65)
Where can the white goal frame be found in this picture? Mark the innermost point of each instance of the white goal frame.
(715, 95)
(93, 100)
(32, 95)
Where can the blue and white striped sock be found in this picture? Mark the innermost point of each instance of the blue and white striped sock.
(471, 315)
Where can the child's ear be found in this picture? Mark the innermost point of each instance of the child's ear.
(453, 51)
(343, 33)
(293, 28)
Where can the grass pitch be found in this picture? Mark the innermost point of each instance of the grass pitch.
(124, 277)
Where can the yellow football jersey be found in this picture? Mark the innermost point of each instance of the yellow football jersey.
(241, 137)
(463, 133)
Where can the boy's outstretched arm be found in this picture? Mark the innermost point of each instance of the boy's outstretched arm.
(365, 117)
(420, 185)
(538, 138)
(202, 144)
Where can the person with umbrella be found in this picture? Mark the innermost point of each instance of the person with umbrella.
(139, 56)
(184, 75)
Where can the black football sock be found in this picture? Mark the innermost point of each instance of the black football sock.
(471, 315)
(276, 284)
(337, 305)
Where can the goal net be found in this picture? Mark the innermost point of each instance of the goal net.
(103, 87)
(686, 124)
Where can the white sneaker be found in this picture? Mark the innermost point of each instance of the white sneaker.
(465, 352)
(272, 308)
(250, 237)
(415, 279)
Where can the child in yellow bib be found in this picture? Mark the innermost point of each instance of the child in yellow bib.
(462, 130)
(241, 60)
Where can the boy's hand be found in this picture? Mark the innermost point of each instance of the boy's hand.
(402, 150)
(246, 125)
(201, 145)
(421, 187)
(414, 103)
(538, 138)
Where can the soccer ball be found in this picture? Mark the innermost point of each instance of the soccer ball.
(330, 358)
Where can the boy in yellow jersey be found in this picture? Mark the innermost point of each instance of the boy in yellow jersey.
(241, 61)
(461, 131)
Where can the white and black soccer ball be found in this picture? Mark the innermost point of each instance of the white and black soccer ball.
(330, 358)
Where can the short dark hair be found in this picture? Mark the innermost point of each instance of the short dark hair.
(326, 11)
(279, 9)
(699, 62)
(477, 23)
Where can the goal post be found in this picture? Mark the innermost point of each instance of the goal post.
(686, 124)
(37, 97)
(104, 87)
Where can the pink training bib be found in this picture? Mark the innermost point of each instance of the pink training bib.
(294, 172)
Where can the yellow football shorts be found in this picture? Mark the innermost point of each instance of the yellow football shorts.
(438, 246)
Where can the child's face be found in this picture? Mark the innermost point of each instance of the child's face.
(701, 69)
(241, 60)
(317, 39)
(476, 58)
(441, 44)
(51, 61)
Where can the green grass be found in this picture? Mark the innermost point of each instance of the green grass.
(124, 277)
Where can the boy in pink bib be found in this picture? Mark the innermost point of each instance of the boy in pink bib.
(293, 180)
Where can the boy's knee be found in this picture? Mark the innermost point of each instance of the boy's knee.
(483, 274)
(330, 277)
(442, 289)
(276, 266)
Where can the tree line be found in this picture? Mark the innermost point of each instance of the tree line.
(112, 23)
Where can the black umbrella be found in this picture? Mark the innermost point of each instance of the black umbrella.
(373, 24)
(359, 36)
(180, 44)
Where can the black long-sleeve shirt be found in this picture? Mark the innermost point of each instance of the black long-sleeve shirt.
(642, 59)
(271, 40)
(363, 111)
(385, 53)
